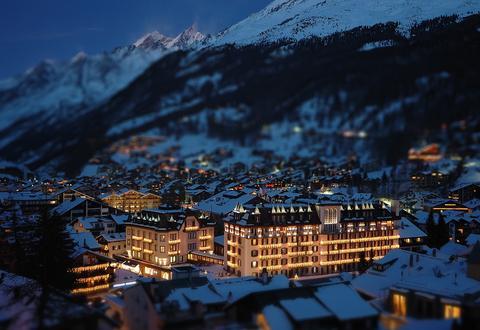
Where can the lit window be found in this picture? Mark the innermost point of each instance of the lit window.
(399, 304)
(451, 311)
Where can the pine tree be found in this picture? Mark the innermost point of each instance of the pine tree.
(50, 262)
(442, 231)
(431, 231)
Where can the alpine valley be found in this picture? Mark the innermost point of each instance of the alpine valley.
(318, 79)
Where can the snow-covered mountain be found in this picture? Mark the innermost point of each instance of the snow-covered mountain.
(298, 19)
(54, 90)
(186, 39)
(288, 98)
(153, 40)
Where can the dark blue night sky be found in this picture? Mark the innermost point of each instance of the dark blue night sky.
(57, 29)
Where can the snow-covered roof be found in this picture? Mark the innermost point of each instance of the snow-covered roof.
(302, 309)
(237, 288)
(473, 203)
(225, 201)
(85, 240)
(277, 318)
(454, 249)
(408, 230)
(67, 206)
(23, 196)
(435, 275)
(344, 302)
(113, 237)
(472, 239)
(223, 290)
(120, 218)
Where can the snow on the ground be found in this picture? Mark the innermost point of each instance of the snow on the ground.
(298, 19)
(377, 44)
(471, 172)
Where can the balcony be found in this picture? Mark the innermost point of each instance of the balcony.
(231, 264)
(271, 256)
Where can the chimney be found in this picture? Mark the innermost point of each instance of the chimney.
(410, 262)
(264, 276)
(417, 258)
(434, 252)
(395, 208)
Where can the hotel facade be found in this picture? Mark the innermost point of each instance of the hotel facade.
(303, 240)
(160, 239)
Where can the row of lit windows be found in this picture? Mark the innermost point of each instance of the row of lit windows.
(275, 251)
(399, 306)
(275, 240)
(144, 245)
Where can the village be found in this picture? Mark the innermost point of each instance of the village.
(297, 242)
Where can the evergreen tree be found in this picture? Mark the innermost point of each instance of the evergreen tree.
(431, 231)
(442, 231)
(50, 261)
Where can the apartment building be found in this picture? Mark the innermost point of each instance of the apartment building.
(158, 239)
(301, 240)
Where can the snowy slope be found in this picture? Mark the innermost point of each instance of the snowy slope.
(298, 19)
(56, 89)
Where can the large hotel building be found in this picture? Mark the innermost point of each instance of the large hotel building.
(306, 240)
(159, 239)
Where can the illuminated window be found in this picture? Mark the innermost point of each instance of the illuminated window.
(452, 311)
(399, 304)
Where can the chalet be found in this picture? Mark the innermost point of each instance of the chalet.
(112, 244)
(94, 225)
(132, 201)
(94, 272)
(74, 192)
(441, 205)
(465, 192)
(424, 286)
(411, 237)
(429, 179)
